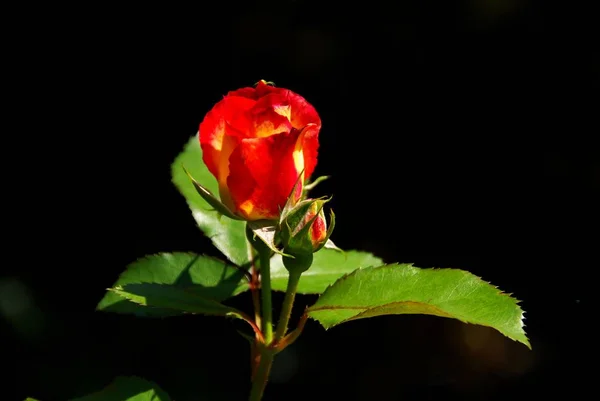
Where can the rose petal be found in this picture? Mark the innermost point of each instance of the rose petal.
(227, 117)
(236, 114)
(263, 173)
(310, 149)
(247, 92)
(303, 113)
(229, 144)
(318, 231)
(270, 115)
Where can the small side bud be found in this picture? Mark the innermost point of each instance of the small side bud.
(303, 231)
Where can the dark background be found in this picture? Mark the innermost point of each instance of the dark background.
(457, 134)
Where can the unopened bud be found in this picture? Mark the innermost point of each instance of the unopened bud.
(303, 229)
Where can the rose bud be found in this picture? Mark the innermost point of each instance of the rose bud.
(303, 231)
(258, 142)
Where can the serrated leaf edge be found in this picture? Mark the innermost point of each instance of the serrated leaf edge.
(346, 276)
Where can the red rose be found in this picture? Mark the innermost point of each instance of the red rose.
(256, 142)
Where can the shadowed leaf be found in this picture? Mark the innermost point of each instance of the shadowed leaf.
(177, 299)
(209, 277)
(127, 389)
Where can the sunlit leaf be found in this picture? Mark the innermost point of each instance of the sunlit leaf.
(403, 289)
(328, 265)
(228, 235)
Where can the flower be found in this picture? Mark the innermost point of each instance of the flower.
(303, 229)
(257, 142)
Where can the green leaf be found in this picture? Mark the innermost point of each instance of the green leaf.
(127, 389)
(211, 278)
(179, 299)
(403, 289)
(328, 265)
(228, 235)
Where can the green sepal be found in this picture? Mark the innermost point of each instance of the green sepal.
(317, 181)
(290, 203)
(266, 231)
(212, 199)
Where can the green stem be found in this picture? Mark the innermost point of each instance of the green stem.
(261, 376)
(259, 381)
(288, 303)
(265, 288)
(254, 284)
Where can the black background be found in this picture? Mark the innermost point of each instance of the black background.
(457, 134)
